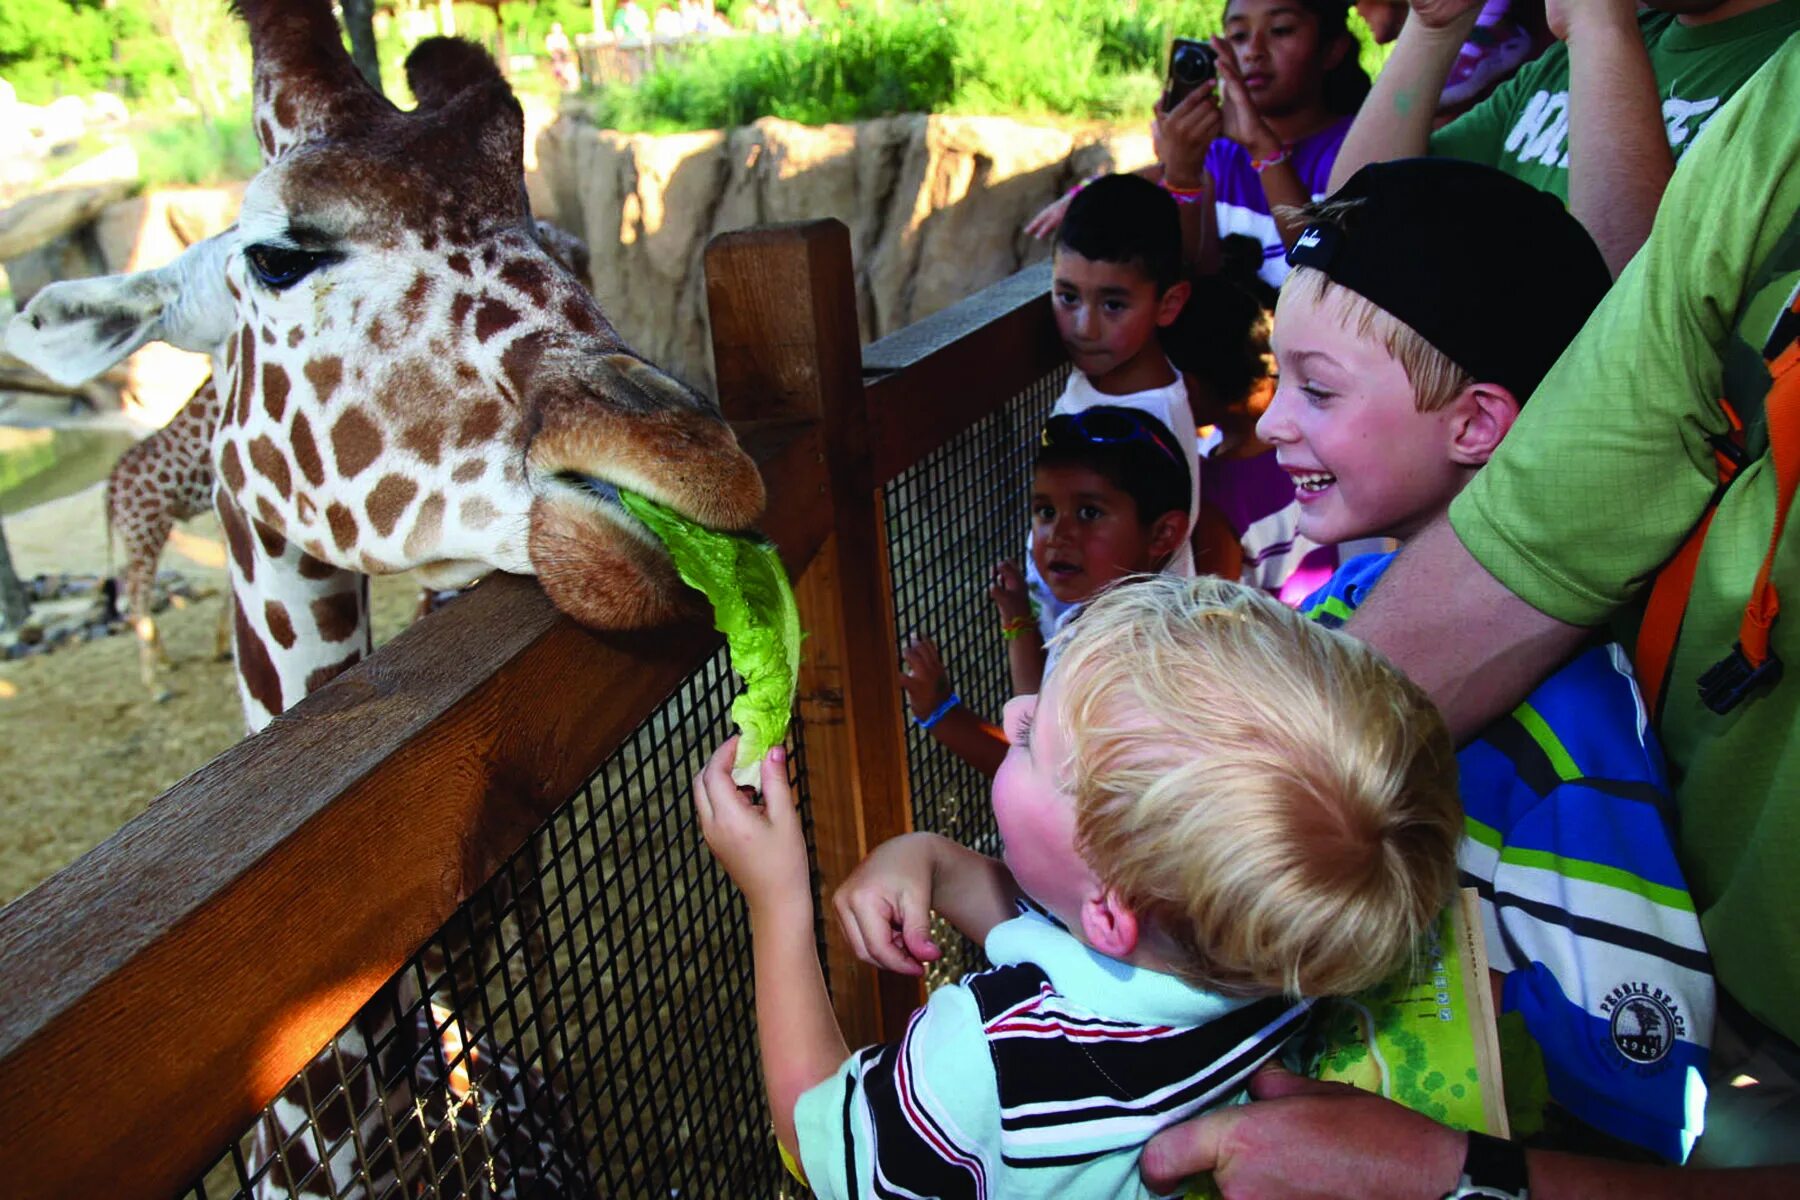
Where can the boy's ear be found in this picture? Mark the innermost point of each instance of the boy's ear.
(1481, 417)
(1167, 533)
(1109, 925)
(1343, 44)
(1170, 305)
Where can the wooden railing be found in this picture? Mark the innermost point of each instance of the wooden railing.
(157, 993)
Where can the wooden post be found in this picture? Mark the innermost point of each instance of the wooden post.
(785, 346)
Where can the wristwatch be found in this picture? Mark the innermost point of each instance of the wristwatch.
(1493, 1170)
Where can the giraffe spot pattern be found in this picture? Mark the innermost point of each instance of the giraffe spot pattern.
(295, 336)
(376, 333)
(337, 615)
(459, 309)
(459, 262)
(240, 408)
(425, 439)
(528, 277)
(492, 317)
(324, 374)
(469, 470)
(427, 528)
(479, 425)
(231, 467)
(275, 388)
(306, 452)
(355, 442)
(271, 464)
(313, 564)
(388, 501)
(281, 626)
(580, 314)
(268, 335)
(477, 513)
(520, 360)
(324, 675)
(255, 666)
(412, 304)
(343, 525)
(305, 508)
(237, 537)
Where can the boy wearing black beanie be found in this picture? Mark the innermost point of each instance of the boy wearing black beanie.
(1428, 298)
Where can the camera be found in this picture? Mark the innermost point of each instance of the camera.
(1191, 63)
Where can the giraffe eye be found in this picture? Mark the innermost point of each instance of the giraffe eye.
(278, 267)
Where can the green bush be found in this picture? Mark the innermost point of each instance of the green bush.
(55, 47)
(195, 152)
(1076, 58)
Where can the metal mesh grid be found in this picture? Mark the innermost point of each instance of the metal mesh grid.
(583, 1026)
(949, 520)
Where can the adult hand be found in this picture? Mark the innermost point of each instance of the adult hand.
(922, 676)
(1007, 591)
(1443, 14)
(885, 906)
(761, 846)
(1182, 136)
(1241, 120)
(1050, 217)
(1302, 1139)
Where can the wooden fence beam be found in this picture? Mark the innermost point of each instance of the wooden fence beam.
(783, 306)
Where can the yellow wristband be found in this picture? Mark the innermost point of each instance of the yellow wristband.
(1013, 628)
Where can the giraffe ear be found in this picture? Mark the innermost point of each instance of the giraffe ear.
(74, 330)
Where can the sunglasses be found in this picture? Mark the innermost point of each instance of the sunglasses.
(1107, 426)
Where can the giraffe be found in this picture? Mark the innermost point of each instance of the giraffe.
(406, 380)
(168, 477)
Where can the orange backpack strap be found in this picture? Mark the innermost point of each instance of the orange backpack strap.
(1751, 663)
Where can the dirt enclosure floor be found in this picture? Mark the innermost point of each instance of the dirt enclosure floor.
(83, 748)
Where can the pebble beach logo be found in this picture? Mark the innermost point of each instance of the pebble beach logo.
(1645, 1022)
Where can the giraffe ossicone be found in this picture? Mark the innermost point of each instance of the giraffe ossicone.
(407, 379)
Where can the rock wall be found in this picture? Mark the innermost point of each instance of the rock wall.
(935, 207)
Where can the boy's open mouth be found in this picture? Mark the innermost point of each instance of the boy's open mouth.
(1058, 569)
(1312, 482)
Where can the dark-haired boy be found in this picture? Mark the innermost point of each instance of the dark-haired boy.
(1116, 281)
(1399, 378)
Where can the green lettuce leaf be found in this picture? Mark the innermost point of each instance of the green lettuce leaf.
(753, 606)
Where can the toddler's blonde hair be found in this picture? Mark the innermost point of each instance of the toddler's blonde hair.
(1274, 799)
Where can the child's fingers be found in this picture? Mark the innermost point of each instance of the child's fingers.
(778, 797)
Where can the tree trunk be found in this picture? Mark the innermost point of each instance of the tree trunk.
(13, 604)
(359, 23)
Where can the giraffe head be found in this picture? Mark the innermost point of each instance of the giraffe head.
(409, 379)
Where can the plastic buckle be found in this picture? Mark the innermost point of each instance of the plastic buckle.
(1725, 685)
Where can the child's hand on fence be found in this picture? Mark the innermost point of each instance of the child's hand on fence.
(1049, 218)
(922, 676)
(885, 906)
(761, 846)
(1007, 591)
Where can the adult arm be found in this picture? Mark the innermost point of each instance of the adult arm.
(1619, 156)
(1307, 1139)
(1396, 116)
(1420, 617)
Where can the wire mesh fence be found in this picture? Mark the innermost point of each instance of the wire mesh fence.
(950, 519)
(583, 1026)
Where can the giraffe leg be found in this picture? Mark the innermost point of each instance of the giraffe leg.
(144, 541)
(222, 635)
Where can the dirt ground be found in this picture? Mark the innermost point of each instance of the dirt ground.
(82, 746)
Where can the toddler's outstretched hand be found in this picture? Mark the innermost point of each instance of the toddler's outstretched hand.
(922, 676)
(885, 906)
(761, 846)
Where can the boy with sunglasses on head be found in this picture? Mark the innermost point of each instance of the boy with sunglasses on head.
(1214, 811)
(1109, 499)
(1401, 370)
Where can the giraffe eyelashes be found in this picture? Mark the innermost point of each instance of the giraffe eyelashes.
(278, 267)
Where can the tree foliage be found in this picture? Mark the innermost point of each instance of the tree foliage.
(53, 47)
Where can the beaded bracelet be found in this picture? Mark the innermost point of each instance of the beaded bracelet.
(1259, 165)
(1079, 185)
(1013, 628)
(1181, 195)
(937, 714)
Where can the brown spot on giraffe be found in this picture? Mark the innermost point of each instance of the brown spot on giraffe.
(368, 564)
(343, 525)
(324, 675)
(281, 626)
(284, 110)
(271, 464)
(231, 467)
(296, 335)
(268, 335)
(240, 403)
(425, 439)
(580, 314)
(520, 361)
(469, 470)
(459, 309)
(313, 564)
(477, 513)
(412, 304)
(325, 374)
(459, 262)
(529, 277)
(388, 501)
(306, 451)
(237, 537)
(493, 317)
(427, 528)
(355, 442)
(376, 334)
(480, 424)
(265, 134)
(337, 615)
(306, 508)
(255, 665)
(275, 387)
